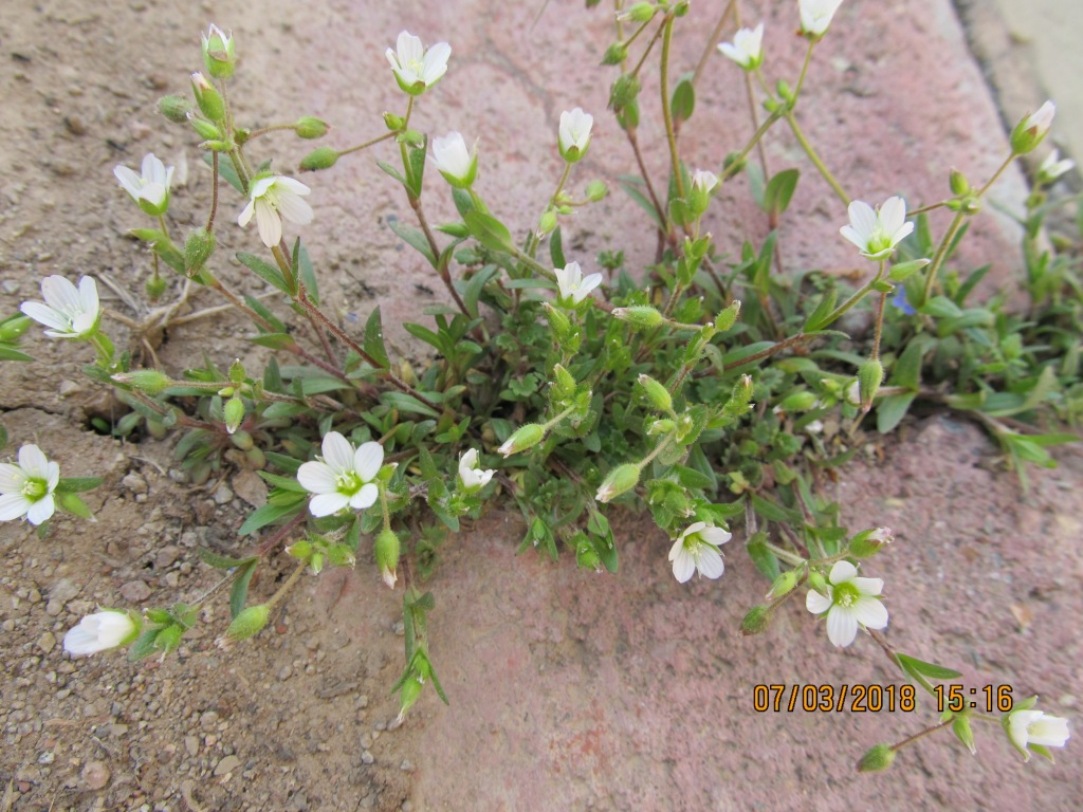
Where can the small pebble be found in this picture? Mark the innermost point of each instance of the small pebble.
(226, 765)
(95, 774)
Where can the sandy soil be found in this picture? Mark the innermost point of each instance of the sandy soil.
(569, 690)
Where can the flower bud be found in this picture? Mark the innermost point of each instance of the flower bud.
(755, 620)
(641, 316)
(393, 122)
(197, 250)
(409, 693)
(728, 317)
(175, 108)
(869, 377)
(958, 183)
(615, 54)
(340, 555)
(783, 585)
(219, 57)
(387, 548)
(526, 437)
(563, 383)
(960, 726)
(151, 381)
(204, 129)
(817, 581)
(154, 287)
(624, 92)
(656, 393)
(798, 402)
(249, 622)
(234, 413)
(208, 98)
(322, 158)
(301, 550)
(620, 480)
(877, 758)
(869, 542)
(1030, 132)
(596, 190)
(310, 127)
(639, 12)
(547, 222)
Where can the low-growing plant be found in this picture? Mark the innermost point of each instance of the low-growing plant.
(711, 391)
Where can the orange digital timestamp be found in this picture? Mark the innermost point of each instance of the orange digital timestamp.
(812, 698)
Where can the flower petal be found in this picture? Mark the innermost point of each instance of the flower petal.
(12, 478)
(12, 506)
(709, 563)
(683, 564)
(294, 208)
(317, 477)
(338, 452)
(817, 602)
(842, 571)
(869, 586)
(365, 498)
(327, 503)
(34, 462)
(841, 626)
(368, 460)
(41, 510)
(269, 224)
(715, 536)
(870, 613)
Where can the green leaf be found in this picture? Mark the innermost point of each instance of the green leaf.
(74, 505)
(632, 185)
(304, 271)
(78, 484)
(274, 341)
(762, 556)
(374, 339)
(407, 403)
(683, 103)
(393, 172)
(914, 665)
(283, 482)
(224, 562)
(489, 231)
(264, 270)
(9, 353)
(825, 308)
(891, 410)
(471, 291)
(414, 238)
(779, 192)
(238, 594)
(268, 514)
(556, 249)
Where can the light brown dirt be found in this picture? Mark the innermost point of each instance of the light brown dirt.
(569, 690)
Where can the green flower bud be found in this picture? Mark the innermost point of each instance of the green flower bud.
(615, 54)
(798, 401)
(151, 381)
(868, 542)
(393, 122)
(547, 222)
(409, 693)
(311, 127)
(175, 108)
(960, 726)
(340, 555)
(877, 758)
(387, 549)
(755, 620)
(301, 550)
(817, 581)
(624, 92)
(154, 287)
(208, 98)
(234, 413)
(869, 377)
(219, 57)
(1031, 131)
(639, 12)
(597, 190)
(783, 584)
(641, 316)
(197, 250)
(168, 638)
(656, 393)
(586, 557)
(525, 437)
(204, 129)
(958, 183)
(728, 317)
(322, 158)
(620, 480)
(563, 383)
(249, 622)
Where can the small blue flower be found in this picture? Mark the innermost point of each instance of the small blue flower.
(900, 301)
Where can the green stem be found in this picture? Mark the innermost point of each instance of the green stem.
(785, 555)
(667, 113)
(941, 254)
(366, 144)
(816, 161)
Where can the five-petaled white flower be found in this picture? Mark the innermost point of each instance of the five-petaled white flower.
(1052, 167)
(71, 312)
(100, 631)
(151, 189)
(697, 549)
(574, 134)
(344, 478)
(1027, 727)
(850, 601)
(415, 68)
(876, 233)
(272, 200)
(573, 285)
(816, 15)
(454, 161)
(747, 47)
(471, 474)
(27, 488)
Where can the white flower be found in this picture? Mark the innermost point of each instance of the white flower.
(850, 601)
(471, 473)
(697, 549)
(747, 47)
(455, 162)
(816, 15)
(574, 134)
(344, 478)
(415, 68)
(100, 631)
(876, 233)
(1030, 132)
(274, 199)
(151, 189)
(27, 488)
(1052, 168)
(573, 285)
(704, 181)
(71, 312)
(1026, 727)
